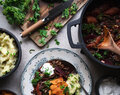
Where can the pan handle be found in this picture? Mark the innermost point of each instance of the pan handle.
(73, 23)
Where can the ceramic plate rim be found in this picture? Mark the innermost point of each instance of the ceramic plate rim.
(63, 49)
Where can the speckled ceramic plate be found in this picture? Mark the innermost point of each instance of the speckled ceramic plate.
(55, 53)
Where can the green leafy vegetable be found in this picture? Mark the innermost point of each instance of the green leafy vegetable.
(20, 42)
(47, 83)
(1, 2)
(15, 10)
(66, 13)
(91, 27)
(88, 27)
(43, 33)
(50, 5)
(30, 51)
(65, 90)
(58, 25)
(65, 0)
(36, 10)
(98, 55)
(42, 41)
(62, 87)
(53, 32)
(7, 53)
(100, 16)
(73, 8)
(36, 79)
(14, 15)
(57, 42)
(46, 27)
(47, 46)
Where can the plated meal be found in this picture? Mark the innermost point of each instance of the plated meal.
(51, 73)
(105, 14)
(56, 77)
(8, 53)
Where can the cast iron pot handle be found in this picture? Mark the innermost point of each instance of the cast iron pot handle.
(73, 23)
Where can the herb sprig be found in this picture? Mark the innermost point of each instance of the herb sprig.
(36, 10)
(36, 79)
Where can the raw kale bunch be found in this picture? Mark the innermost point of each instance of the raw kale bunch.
(15, 10)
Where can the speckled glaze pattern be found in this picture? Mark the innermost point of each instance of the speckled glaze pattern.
(50, 54)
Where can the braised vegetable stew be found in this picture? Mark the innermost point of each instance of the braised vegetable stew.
(104, 13)
(56, 77)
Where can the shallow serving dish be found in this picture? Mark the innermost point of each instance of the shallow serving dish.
(55, 53)
(109, 81)
(19, 53)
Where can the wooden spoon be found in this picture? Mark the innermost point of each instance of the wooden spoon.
(108, 42)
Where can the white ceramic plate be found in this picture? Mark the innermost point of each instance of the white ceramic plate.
(55, 53)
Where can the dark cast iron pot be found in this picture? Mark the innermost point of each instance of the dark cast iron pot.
(81, 43)
(19, 54)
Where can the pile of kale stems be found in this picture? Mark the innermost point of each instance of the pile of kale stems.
(15, 10)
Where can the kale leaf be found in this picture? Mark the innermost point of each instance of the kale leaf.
(15, 10)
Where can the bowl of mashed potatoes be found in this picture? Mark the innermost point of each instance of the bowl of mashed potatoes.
(10, 53)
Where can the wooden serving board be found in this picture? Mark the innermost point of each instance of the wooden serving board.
(44, 9)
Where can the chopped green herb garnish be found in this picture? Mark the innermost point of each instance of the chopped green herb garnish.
(72, 86)
(36, 10)
(47, 83)
(0, 48)
(51, 5)
(36, 79)
(20, 42)
(62, 87)
(31, 19)
(98, 55)
(65, 0)
(12, 54)
(100, 17)
(73, 8)
(65, 90)
(1, 2)
(7, 53)
(58, 25)
(118, 36)
(43, 33)
(47, 46)
(91, 27)
(57, 42)
(42, 41)
(88, 27)
(46, 72)
(97, 30)
(30, 51)
(105, 53)
(46, 27)
(53, 32)
(70, 75)
(65, 13)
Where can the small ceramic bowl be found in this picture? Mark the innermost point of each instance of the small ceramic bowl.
(19, 54)
(5, 92)
(107, 78)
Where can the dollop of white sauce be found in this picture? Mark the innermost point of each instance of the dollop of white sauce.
(47, 68)
(109, 87)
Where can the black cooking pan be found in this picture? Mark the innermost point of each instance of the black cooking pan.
(81, 44)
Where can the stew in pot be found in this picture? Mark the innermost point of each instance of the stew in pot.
(106, 14)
